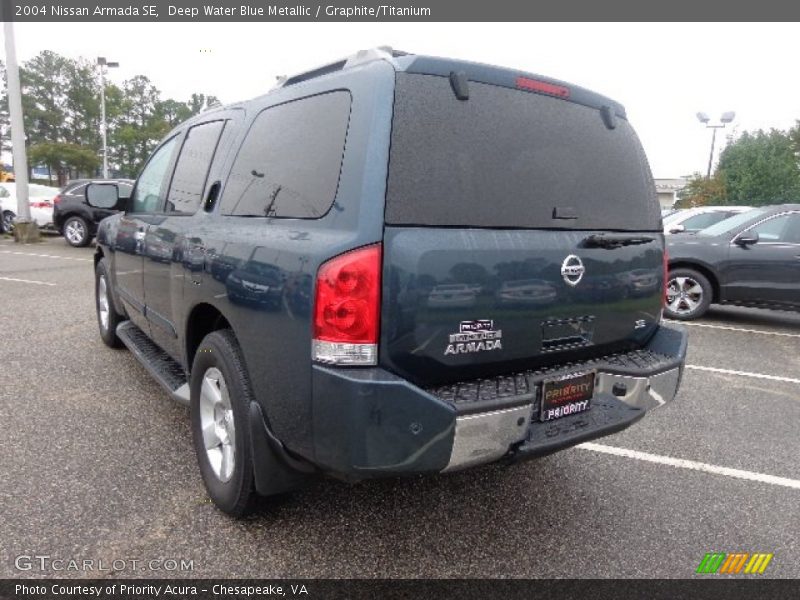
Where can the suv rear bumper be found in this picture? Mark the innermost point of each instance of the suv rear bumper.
(371, 423)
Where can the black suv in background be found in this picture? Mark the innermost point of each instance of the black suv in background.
(751, 259)
(74, 218)
(393, 265)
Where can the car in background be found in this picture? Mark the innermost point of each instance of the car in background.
(74, 218)
(751, 259)
(40, 199)
(665, 212)
(450, 295)
(695, 219)
(527, 291)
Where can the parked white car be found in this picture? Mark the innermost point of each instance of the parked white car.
(40, 199)
(695, 219)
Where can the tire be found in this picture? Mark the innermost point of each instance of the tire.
(220, 403)
(76, 232)
(107, 316)
(689, 295)
(8, 221)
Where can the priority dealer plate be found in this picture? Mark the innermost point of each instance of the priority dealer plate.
(566, 395)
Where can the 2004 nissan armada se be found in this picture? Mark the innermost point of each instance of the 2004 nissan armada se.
(392, 265)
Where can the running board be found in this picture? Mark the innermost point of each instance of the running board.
(164, 369)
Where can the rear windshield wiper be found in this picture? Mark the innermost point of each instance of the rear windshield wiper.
(612, 240)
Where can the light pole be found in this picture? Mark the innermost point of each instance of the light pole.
(25, 230)
(102, 63)
(726, 118)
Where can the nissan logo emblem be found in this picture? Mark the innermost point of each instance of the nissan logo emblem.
(572, 270)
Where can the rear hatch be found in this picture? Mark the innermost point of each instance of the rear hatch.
(522, 230)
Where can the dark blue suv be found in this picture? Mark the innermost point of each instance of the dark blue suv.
(392, 265)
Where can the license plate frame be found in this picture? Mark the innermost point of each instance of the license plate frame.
(567, 402)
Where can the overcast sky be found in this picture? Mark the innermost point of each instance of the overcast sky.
(662, 73)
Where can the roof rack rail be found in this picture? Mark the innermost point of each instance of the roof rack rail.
(359, 58)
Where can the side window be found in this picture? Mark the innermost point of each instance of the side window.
(125, 190)
(289, 163)
(186, 190)
(792, 233)
(773, 230)
(147, 196)
(703, 220)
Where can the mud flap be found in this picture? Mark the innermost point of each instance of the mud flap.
(274, 472)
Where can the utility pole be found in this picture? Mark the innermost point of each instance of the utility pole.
(24, 229)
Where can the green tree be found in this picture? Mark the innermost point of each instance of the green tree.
(761, 168)
(701, 191)
(200, 102)
(63, 157)
(5, 122)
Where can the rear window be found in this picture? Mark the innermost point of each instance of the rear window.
(510, 158)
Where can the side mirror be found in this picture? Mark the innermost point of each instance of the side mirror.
(677, 229)
(105, 195)
(747, 239)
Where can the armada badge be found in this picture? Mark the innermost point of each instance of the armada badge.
(572, 270)
(475, 336)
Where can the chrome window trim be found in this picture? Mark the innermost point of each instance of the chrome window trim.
(764, 220)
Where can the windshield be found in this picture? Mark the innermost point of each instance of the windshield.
(731, 223)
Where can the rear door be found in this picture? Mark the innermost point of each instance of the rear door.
(496, 249)
(769, 270)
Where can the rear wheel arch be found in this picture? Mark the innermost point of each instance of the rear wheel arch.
(703, 270)
(202, 320)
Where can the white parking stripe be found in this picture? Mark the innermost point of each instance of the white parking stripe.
(45, 255)
(741, 329)
(743, 373)
(27, 281)
(692, 465)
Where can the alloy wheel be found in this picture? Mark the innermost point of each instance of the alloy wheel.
(102, 302)
(75, 232)
(684, 295)
(217, 424)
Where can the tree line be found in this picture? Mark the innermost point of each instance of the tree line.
(61, 106)
(757, 168)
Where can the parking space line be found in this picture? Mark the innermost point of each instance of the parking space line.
(44, 255)
(741, 329)
(27, 281)
(743, 373)
(691, 465)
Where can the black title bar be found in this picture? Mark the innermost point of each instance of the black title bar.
(396, 10)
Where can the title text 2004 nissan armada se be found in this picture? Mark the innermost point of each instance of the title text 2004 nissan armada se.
(393, 265)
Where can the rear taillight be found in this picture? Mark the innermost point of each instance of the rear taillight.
(347, 308)
(43, 204)
(57, 200)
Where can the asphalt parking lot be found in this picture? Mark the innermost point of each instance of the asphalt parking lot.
(97, 463)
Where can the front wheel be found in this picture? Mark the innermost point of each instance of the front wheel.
(688, 294)
(107, 316)
(76, 232)
(220, 401)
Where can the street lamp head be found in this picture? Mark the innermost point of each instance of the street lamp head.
(703, 117)
(727, 117)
